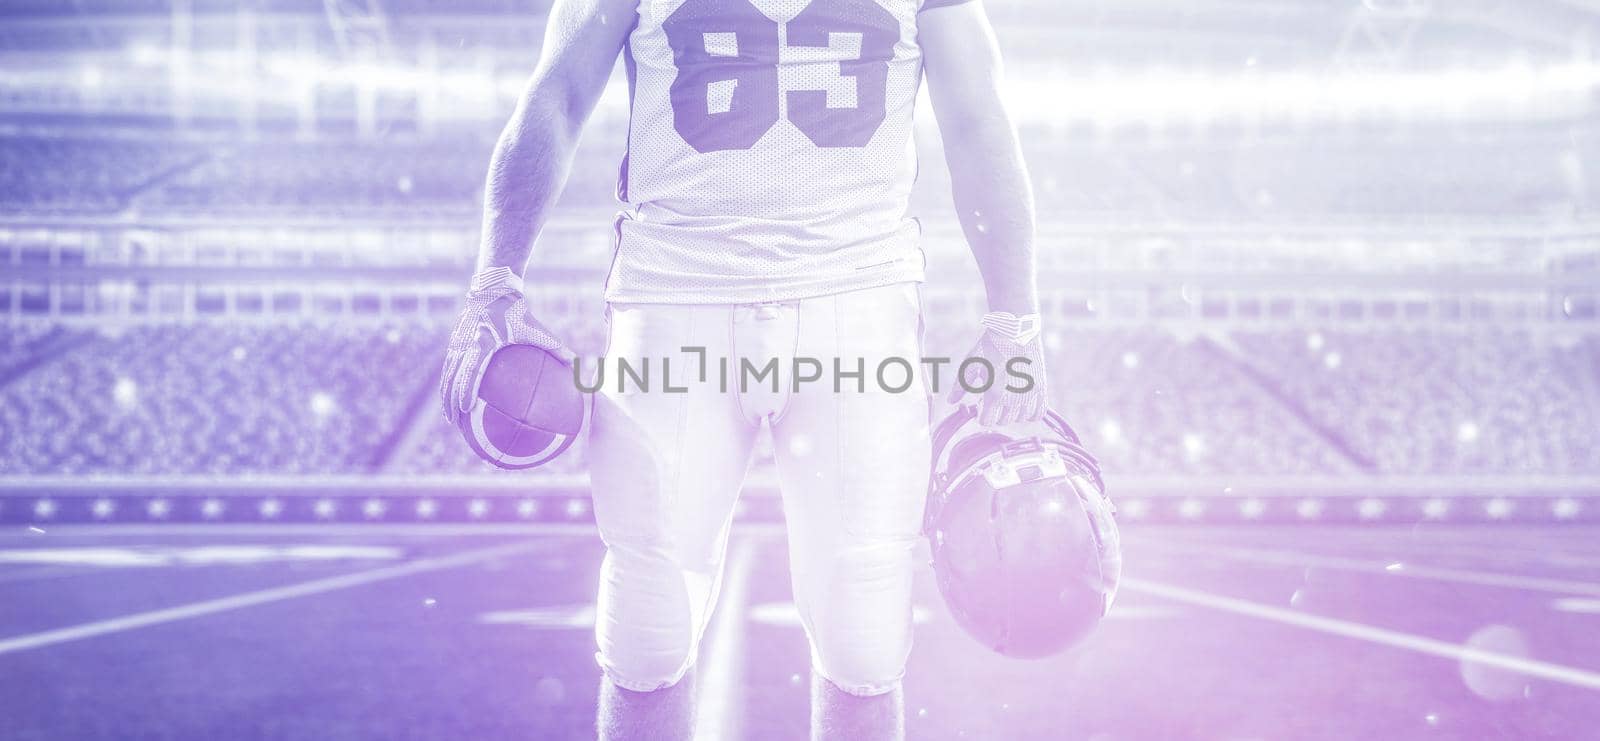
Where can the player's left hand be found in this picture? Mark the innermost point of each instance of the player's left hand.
(1010, 398)
(495, 314)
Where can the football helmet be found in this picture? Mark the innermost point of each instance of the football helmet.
(1025, 545)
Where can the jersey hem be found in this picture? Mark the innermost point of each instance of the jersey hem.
(770, 293)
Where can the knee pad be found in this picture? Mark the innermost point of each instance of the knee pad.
(650, 616)
(859, 617)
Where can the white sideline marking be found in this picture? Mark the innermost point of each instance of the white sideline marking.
(1577, 605)
(1407, 569)
(719, 697)
(1359, 631)
(1143, 612)
(348, 529)
(251, 599)
(204, 555)
(578, 617)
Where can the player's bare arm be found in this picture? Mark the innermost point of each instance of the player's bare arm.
(993, 197)
(534, 153)
(531, 159)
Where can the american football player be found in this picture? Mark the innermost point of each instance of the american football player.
(766, 184)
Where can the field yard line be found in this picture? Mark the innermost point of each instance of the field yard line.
(264, 596)
(1375, 546)
(1497, 554)
(1416, 551)
(1360, 631)
(43, 573)
(720, 700)
(1380, 567)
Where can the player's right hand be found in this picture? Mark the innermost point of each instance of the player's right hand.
(496, 314)
(1002, 404)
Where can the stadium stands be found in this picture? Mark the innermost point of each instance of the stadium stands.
(50, 175)
(24, 345)
(216, 399)
(1153, 403)
(46, 8)
(407, 177)
(1440, 401)
(328, 180)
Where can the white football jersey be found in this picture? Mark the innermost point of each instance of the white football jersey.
(769, 154)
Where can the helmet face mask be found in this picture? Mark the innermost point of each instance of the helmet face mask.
(1025, 548)
(1021, 462)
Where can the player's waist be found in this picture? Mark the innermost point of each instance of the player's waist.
(766, 231)
(654, 263)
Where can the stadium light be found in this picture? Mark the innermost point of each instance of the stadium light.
(1111, 432)
(378, 76)
(145, 53)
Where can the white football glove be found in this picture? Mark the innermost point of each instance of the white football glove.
(496, 314)
(1000, 344)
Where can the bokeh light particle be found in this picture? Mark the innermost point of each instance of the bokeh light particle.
(125, 392)
(322, 404)
(1485, 677)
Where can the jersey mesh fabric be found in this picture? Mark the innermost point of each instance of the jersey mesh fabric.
(783, 217)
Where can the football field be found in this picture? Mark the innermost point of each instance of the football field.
(342, 631)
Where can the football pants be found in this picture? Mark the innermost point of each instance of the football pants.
(853, 464)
